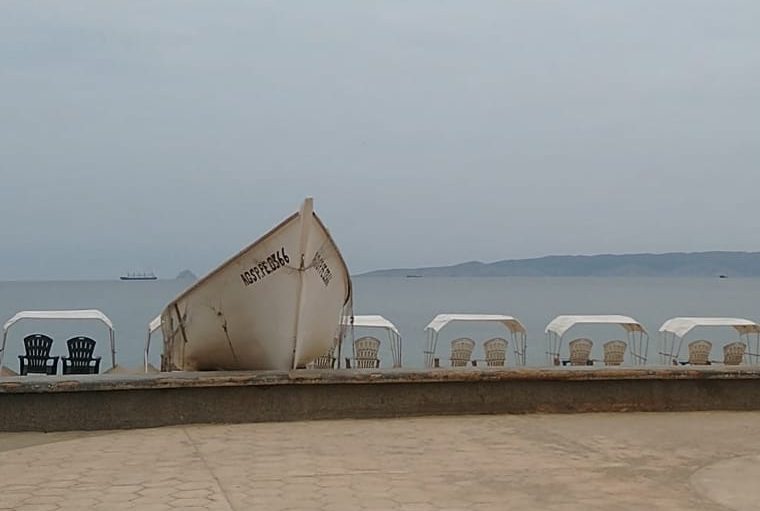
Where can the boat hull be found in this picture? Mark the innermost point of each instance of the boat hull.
(275, 305)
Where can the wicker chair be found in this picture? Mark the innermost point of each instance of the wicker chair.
(366, 349)
(733, 354)
(580, 352)
(699, 353)
(461, 351)
(496, 352)
(614, 353)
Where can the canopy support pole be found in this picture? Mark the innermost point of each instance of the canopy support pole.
(340, 349)
(2, 349)
(113, 348)
(646, 349)
(147, 351)
(395, 348)
(554, 343)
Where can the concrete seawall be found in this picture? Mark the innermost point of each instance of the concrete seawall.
(117, 401)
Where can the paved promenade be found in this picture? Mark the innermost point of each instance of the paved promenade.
(682, 461)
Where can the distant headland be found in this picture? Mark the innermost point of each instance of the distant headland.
(674, 264)
(187, 275)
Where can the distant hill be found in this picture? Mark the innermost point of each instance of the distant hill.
(697, 264)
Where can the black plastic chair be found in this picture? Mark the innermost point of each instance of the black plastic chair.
(37, 356)
(80, 359)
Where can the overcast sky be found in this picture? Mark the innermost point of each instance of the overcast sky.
(148, 135)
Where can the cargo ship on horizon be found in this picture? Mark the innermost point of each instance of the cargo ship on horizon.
(139, 276)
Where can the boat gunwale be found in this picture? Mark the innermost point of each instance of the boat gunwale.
(229, 261)
(262, 238)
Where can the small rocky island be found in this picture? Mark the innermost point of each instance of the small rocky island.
(186, 275)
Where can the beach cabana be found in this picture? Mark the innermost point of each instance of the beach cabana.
(637, 338)
(86, 314)
(674, 331)
(514, 327)
(375, 321)
(154, 325)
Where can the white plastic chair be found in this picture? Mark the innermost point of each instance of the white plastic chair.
(461, 351)
(733, 354)
(614, 352)
(699, 352)
(325, 361)
(580, 351)
(366, 349)
(496, 352)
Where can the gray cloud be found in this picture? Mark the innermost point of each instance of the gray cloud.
(168, 134)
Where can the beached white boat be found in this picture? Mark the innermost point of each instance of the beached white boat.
(275, 305)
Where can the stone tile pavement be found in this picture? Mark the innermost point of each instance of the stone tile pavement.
(680, 461)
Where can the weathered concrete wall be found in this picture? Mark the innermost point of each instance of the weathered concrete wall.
(113, 402)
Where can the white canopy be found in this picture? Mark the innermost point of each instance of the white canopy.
(516, 329)
(562, 324)
(376, 321)
(155, 324)
(441, 320)
(92, 314)
(61, 314)
(682, 326)
(371, 321)
(637, 336)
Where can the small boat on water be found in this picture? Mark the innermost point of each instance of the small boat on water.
(277, 304)
(139, 276)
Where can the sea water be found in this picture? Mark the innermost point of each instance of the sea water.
(410, 303)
